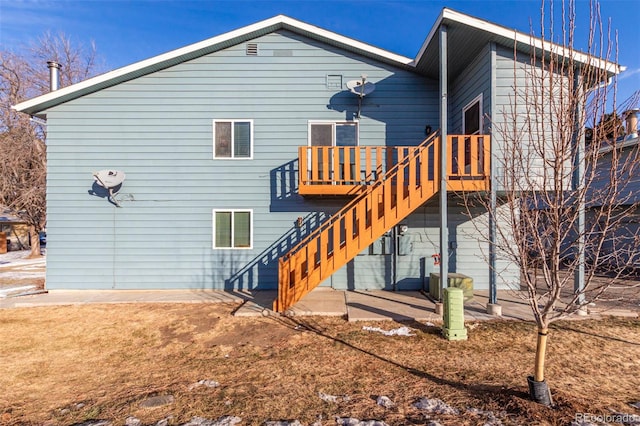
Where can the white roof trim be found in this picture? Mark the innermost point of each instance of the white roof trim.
(517, 36)
(344, 40)
(625, 143)
(278, 21)
(430, 36)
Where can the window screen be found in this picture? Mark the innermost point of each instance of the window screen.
(223, 229)
(223, 139)
(346, 135)
(242, 139)
(241, 229)
(321, 134)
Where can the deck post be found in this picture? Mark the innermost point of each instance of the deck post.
(577, 185)
(444, 231)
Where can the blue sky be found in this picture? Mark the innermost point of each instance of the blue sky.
(129, 31)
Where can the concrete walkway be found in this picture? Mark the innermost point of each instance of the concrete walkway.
(353, 305)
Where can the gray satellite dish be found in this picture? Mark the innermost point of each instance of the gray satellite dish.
(110, 180)
(357, 87)
(361, 88)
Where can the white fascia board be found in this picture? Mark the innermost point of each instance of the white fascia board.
(518, 37)
(280, 21)
(620, 145)
(430, 36)
(312, 29)
(144, 63)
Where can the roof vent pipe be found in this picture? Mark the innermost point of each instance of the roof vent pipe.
(632, 123)
(54, 75)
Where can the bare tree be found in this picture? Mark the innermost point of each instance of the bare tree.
(22, 140)
(561, 206)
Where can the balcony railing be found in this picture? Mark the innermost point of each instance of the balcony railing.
(326, 170)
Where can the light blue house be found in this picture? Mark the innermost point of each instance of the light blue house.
(218, 191)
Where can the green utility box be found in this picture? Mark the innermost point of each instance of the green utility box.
(453, 320)
(454, 280)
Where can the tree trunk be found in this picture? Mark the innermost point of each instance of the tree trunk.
(35, 242)
(541, 349)
(538, 388)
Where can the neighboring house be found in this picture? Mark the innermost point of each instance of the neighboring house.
(14, 232)
(620, 247)
(239, 149)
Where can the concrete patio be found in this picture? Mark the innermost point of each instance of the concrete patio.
(353, 305)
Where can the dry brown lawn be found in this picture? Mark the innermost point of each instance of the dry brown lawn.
(112, 357)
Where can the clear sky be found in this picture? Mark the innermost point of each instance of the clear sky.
(130, 31)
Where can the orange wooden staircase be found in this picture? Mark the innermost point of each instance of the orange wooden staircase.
(378, 205)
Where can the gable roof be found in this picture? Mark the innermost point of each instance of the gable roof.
(469, 34)
(192, 51)
(466, 33)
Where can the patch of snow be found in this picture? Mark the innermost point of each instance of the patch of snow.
(132, 421)
(9, 290)
(385, 401)
(221, 421)
(400, 331)
(207, 383)
(492, 418)
(333, 398)
(435, 405)
(351, 421)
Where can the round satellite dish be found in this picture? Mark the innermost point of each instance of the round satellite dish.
(109, 178)
(360, 88)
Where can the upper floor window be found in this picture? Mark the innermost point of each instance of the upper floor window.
(471, 125)
(341, 133)
(472, 117)
(233, 139)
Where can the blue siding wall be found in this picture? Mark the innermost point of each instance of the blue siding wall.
(158, 130)
(473, 81)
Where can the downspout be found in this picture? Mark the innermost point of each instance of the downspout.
(493, 202)
(444, 231)
(394, 236)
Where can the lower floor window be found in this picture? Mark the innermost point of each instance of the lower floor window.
(232, 229)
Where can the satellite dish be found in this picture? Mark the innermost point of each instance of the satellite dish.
(111, 180)
(359, 88)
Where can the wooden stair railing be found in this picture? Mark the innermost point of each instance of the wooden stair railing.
(390, 199)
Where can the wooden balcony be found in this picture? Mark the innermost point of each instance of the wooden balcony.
(326, 170)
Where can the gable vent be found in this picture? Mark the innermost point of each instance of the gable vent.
(252, 49)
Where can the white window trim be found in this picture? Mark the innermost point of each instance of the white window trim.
(232, 211)
(477, 99)
(334, 122)
(232, 121)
